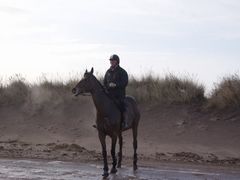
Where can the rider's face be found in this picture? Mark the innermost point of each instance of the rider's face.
(113, 63)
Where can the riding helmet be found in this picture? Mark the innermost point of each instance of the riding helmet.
(114, 57)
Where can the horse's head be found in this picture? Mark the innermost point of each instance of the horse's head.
(85, 85)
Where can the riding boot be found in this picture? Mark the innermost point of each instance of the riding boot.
(123, 110)
(123, 120)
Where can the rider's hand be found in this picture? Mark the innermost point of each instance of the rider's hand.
(112, 85)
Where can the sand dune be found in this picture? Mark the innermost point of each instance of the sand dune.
(166, 132)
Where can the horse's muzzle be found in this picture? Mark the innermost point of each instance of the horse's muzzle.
(74, 90)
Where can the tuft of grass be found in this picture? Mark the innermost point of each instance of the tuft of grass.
(1, 86)
(170, 89)
(226, 94)
(16, 92)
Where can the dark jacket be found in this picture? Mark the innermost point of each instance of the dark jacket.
(120, 77)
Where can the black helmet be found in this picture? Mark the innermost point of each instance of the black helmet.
(114, 57)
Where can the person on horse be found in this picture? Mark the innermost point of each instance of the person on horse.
(115, 82)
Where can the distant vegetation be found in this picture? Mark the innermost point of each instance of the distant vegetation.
(226, 93)
(170, 89)
(148, 89)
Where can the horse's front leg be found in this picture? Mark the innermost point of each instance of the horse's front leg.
(102, 138)
(114, 141)
(120, 150)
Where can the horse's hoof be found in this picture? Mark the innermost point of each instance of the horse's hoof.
(119, 166)
(113, 171)
(105, 174)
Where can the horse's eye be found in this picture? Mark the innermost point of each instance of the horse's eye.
(85, 76)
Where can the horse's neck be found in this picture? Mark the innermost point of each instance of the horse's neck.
(101, 101)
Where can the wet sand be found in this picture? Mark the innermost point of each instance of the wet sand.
(58, 170)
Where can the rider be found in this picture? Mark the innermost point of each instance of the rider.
(115, 81)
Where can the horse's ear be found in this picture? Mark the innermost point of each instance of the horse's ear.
(92, 70)
(86, 71)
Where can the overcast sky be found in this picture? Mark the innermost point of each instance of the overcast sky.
(198, 37)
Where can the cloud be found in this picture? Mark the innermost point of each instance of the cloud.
(12, 10)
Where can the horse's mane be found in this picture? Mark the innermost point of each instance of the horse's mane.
(105, 91)
(102, 87)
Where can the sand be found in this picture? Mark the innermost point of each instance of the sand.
(169, 133)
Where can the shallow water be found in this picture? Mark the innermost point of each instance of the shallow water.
(58, 170)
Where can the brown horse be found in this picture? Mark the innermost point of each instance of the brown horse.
(109, 119)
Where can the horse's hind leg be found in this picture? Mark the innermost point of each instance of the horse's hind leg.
(135, 158)
(120, 151)
(114, 141)
(102, 138)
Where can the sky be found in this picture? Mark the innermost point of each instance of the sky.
(59, 38)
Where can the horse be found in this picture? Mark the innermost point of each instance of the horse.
(109, 119)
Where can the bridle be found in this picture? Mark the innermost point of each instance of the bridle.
(88, 94)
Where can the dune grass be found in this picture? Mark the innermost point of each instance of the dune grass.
(169, 89)
(147, 89)
(16, 92)
(226, 93)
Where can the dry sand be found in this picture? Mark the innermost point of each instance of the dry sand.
(179, 133)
